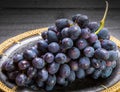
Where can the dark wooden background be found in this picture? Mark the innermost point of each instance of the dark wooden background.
(18, 16)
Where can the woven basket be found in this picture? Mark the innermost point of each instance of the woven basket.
(17, 40)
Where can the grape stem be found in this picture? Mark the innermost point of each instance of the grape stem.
(102, 22)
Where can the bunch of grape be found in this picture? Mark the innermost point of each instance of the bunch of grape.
(69, 50)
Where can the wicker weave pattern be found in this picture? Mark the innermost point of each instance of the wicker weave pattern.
(8, 43)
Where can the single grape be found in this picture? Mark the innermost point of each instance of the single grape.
(49, 57)
(108, 45)
(51, 81)
(53, 68)
(53, 47)
(80, 74)
(107, 72)
(52, 36)
(81, 43)
(97, 44)
(90, 70)
(17, 58)
(23, 65)
(13, 75)
(42, 75)
(104, 34)
(44, 35)
(62, 23)
(34, 48)
(60, 80)
(52, 28)
(21, 79)
(82, 21)
(38, 63)
(74, 65)
(84, 62)
(93, 26)
(9, 66)
(93, 38)
(60, 58)
(85, 33)
(89, 51)
(74, 53)
(65, 32)
(95, 63)
(42, 46)
(113, 55)
(101, 54)
(29, 55)
(97, 74)
(74, 32)
(31, 72)
(64, 71)
(72, 76)
(67, 43)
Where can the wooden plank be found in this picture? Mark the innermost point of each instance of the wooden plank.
(58, 3)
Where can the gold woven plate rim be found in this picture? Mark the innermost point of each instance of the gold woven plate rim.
(16, 40)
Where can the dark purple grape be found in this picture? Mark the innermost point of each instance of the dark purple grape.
(82, 21)
(93, 26)
(52, 28)
(40, 83)
(114, 64)
(38, 63)
(85, 33)
(89, 51)
(60, 58)
(49, 57)
(80, 74)
(97, 74)
(23, 65)
(21, 79)
(95, 63)
(84, 62)
(17, 58)
(104, 34)
(74, 65)
(81, 44)
(93, 38)
(97, 44)
(101, 54)
(60, 80)
(113, 55)
(52, 36)
(90, 70)
(42, 75)
(65, 32)
(13, 75)
(102, 65)
(62, 23)
(74, 53)
(9, 66)
(107, 72)
(108, 45)
(44, 35)
(31, 72)
(53, 68)
(42, 46)
(67, 43)
(72, 76)
(34, 48)
(29, 54)
(53, 47)
(74, 32)
(51, 81)
(75, 17)
(64, 71)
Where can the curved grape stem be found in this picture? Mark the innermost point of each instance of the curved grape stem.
(102, 22)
